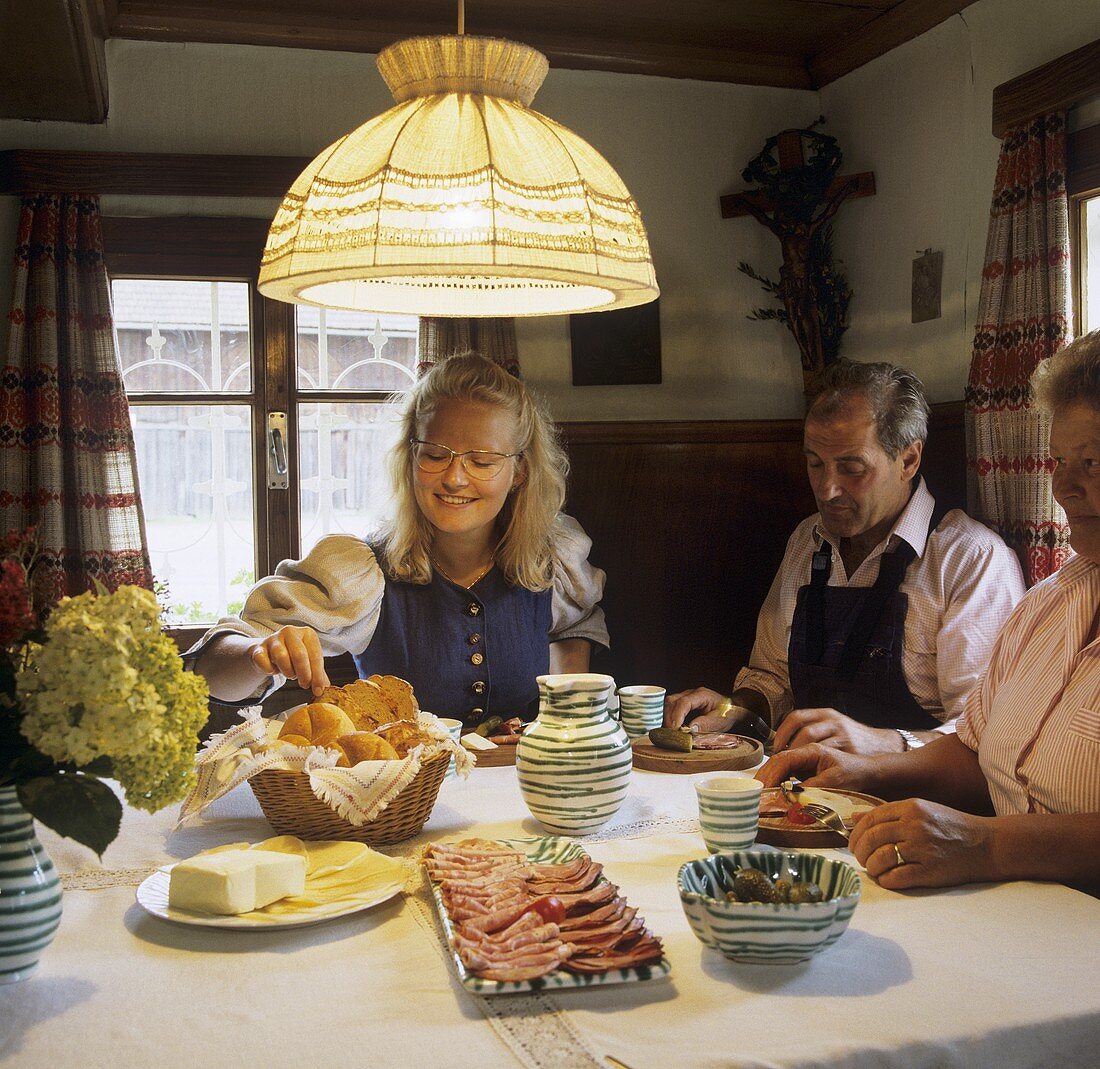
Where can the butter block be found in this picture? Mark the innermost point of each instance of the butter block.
(474, 741)
(235, 881)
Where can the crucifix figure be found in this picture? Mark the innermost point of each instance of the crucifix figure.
(796, 199)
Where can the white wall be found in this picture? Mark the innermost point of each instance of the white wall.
(918, 117)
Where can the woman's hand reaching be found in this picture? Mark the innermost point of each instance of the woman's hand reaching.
(294, 652)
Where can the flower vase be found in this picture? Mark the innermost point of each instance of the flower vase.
(30, 892)
(573, 763)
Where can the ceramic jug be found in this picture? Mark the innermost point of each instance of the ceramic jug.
(573, 763)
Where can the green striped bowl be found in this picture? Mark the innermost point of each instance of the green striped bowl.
(772, 933)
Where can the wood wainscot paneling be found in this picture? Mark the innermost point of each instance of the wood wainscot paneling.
(690, 520)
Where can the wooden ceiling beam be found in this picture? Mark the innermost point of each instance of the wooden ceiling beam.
(155, 174)
(1055, 86)
(54, 66)
(671, 58)
(879, 35)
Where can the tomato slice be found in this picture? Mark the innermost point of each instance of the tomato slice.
(797, 815)
(550, 908)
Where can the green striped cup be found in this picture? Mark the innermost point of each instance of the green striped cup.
(729, 811)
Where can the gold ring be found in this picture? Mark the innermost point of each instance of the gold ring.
(897, 854)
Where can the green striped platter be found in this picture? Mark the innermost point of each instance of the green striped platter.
(545, 850)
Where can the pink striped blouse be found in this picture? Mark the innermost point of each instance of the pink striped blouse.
(1034, 719)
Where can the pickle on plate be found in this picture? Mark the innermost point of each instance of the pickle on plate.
(488, 726)
(671, 739)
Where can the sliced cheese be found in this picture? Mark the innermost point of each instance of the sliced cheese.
(474, 741)
(235, 881)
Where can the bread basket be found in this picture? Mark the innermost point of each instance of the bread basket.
(292, 808)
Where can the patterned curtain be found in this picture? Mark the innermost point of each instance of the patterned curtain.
(67, 462)
(1023, 318)
(494, 338)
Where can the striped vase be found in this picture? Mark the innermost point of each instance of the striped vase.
(30, 892)
(573, 763)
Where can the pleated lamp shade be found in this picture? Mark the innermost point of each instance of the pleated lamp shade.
(460, 200)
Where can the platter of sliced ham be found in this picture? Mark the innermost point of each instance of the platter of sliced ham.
(533, 914)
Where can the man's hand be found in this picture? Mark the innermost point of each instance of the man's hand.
(938, 846)
(294, 652)
(818, 766)
(830, 728)
(707, 710)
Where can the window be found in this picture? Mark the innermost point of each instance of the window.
(259, 427)
(1083, 186)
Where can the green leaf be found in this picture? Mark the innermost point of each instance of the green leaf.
(74, 805)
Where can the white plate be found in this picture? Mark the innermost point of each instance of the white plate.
(152, 896)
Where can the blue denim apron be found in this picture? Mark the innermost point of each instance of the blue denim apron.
(847, 644)
(469, 654)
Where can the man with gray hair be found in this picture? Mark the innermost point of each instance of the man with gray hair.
(883, 614)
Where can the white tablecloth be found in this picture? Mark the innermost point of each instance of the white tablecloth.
(996, 975)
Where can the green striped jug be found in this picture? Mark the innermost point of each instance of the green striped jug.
(30, 892)
(574, 762)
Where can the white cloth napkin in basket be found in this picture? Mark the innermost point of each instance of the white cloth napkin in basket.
(357, 794)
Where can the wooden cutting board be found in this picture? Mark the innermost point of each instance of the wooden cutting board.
(746, 754)
(501, 756)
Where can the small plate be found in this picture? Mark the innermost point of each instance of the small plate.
(779, 831)
(547, 850)
(152, 896)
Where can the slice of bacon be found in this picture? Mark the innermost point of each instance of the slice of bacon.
(716, 740)
(599, 915)
(602, 892)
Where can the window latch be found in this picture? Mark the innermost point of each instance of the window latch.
(277, 477)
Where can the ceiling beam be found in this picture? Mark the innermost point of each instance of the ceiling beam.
(878, 36)
(572, 51)
(154, 174)
(1055, 86)
(53, 64)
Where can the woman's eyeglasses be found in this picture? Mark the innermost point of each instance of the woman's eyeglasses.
(435, 459)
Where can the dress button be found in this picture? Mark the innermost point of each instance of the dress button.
(474, 639)
(473, 609)
(476, 658)
(478, 687)
(476, 713)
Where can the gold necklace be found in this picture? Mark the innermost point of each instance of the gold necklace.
(466, 586)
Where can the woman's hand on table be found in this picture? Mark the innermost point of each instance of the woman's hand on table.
(818, 766)
(916, 843)
(294, 652)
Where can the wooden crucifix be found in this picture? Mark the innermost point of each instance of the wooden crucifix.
(796, 199)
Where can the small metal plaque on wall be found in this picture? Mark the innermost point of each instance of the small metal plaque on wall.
(618, 348)
(927, 280)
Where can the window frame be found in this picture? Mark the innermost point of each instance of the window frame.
(1082, 184)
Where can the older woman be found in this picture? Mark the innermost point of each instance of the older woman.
(1016, 793)
(476, 586)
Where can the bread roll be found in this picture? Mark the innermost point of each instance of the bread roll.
(320, 724)
(364, 746)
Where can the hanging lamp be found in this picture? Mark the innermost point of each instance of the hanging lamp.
(460, 200)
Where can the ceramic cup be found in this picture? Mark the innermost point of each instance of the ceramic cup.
(729, 811)
(641, 709)
(454, 727)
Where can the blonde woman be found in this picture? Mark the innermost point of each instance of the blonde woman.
(477, 584)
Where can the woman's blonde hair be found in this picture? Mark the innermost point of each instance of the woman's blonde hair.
(1070, 376)
(525, 550)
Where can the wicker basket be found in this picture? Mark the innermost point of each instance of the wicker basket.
(292, 808)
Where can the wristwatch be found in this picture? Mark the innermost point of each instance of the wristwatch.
(911, 741)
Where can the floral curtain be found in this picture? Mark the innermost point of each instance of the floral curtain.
(1023, 318)
(67, 464)
(494, 338)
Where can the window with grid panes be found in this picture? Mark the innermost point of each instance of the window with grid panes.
(259, 426)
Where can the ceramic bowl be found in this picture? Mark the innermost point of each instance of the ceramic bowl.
(776, 933)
